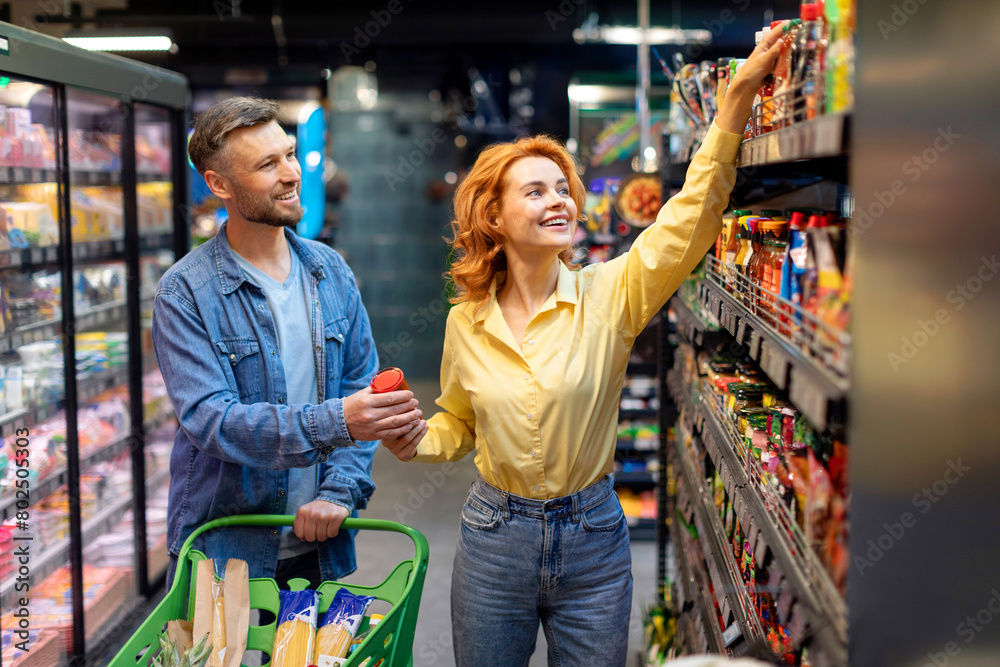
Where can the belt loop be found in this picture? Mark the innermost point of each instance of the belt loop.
(504, 507)
(575, 499)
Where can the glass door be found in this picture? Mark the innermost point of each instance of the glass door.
(33, 451)
(155, 197)
(95, 131)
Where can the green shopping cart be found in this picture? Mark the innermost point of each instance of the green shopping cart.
(391, 641)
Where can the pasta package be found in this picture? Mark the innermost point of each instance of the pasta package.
(340, 624)
(293, 642)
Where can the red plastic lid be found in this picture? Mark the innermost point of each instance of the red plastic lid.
(810, 12)
(798, 220)
(387, 379)
(816, 221)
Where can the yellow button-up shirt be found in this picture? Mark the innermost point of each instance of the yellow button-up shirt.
(543, 416)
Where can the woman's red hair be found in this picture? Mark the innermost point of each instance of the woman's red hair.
(478, 246)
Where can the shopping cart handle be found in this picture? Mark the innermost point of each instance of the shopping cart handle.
(421, 548)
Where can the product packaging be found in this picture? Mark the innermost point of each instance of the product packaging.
(340, 625)
(296, 633)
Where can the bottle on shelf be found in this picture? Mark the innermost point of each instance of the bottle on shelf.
(807, 78)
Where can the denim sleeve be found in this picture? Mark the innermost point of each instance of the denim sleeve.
(348, 479)
(258, 435)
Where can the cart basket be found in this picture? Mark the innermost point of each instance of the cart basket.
(390, 644)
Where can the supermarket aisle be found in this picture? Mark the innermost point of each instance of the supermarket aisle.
(430, 498)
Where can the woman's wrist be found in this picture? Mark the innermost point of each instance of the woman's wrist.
(735, 111)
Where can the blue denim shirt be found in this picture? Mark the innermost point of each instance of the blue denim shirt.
(216, 346)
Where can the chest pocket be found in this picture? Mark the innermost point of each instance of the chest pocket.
(242, 356)
(335, 333)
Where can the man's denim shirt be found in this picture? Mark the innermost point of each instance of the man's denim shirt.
(217, 349)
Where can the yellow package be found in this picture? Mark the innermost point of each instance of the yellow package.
(294, 639)
(340, 624)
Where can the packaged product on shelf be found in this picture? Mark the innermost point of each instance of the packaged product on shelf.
(840, 56)
(34, 220)
(808, 75)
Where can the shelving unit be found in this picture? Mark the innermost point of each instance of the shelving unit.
(805, 357)
(86, 239)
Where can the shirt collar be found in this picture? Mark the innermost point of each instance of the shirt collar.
(566, 292)
(231, 275)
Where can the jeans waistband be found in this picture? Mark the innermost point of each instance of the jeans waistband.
(570, 505)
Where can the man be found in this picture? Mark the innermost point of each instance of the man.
(266, 352)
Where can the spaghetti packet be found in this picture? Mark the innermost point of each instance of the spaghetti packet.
(340, 624)
(294, 639)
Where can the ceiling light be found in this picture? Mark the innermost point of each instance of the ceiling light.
(621, 34)
(100, 42)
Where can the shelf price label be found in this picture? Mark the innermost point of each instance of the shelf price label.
(809, 398)
(731, 634)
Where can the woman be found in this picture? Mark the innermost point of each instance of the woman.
(534, 360)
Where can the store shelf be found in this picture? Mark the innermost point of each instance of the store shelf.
(113, 311)
(152, 177)
(822, 611)
(823, 136)
(42, 488)
(26, 175)
(629, 446)
(29, 258)
(103, 250)
(48, 561)
(638, 414)
(81, 177)
(641, 530)
(639, 368)
(34, 414)
(691, 325)
(636, 478)
(809, 359)
(153, 241)
(722, 567)
(707, 637)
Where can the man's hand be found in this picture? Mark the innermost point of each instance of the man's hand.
(372, 416)
(735, 110)
(405, 446)
(319, 521)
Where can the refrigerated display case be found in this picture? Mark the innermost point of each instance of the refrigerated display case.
(90, 217)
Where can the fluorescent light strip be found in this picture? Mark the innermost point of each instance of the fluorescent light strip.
(129, 43)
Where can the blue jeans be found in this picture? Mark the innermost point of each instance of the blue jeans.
(565, 562)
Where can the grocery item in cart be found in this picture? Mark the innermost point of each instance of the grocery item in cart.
(340, 625)
(296, 633)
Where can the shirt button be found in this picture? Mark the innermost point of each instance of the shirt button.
(527, 376)
(317, 347)
(232, 357)
(281, 400)
(274, 532)
(538, 488)
(527, 416)
(272, 353)
(261, 306)
(281, 493)
(533, 454)
(531, 341)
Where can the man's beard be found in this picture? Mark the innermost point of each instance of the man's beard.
(264, 209)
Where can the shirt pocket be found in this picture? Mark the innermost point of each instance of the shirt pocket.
(242, 356)
(334, 334)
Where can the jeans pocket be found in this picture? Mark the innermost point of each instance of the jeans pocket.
(605, 517)
(480, 516)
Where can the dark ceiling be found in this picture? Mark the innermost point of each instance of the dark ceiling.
(417, 44)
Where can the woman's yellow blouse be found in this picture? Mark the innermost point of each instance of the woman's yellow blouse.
(543, 417)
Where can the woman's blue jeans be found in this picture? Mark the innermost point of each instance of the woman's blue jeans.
(565, 562)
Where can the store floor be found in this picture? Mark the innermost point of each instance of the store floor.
(430, 498)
